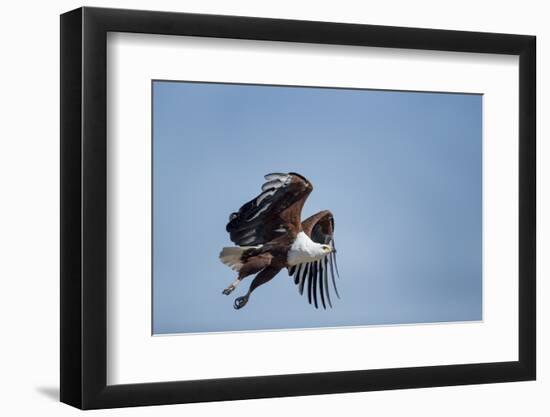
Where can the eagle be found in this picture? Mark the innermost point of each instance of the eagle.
(271, 236)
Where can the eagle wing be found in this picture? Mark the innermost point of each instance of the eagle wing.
(274, 213)
(320, 228)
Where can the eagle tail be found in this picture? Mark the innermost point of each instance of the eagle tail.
(232, 256)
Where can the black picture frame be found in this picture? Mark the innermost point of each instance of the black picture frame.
(84, 207)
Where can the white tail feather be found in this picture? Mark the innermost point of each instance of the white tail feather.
(231, 256)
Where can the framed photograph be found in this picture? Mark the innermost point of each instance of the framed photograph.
(257, 208)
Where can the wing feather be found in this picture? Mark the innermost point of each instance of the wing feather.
(315, 279)
(321, 282)
(333, 260)
(274, 213)
(302, 279)
(310, 281)
(325, 281)
(320, 228)
(297, 274)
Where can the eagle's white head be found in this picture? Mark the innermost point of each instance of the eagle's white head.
(318, 250)
(306, 250)
(326, 249)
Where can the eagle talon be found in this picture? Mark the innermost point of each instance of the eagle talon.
(240, 302)
(228, 290)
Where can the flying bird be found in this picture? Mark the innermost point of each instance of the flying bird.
(271, 236)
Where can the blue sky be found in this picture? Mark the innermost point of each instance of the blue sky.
(401, 172)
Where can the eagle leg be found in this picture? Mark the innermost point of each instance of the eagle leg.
(231, 287)
(251, 266)
(265, 276)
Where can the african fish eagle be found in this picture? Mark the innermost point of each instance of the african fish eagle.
(270, 236)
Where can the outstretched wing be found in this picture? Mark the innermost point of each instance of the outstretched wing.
(272, 214)
(320, 228)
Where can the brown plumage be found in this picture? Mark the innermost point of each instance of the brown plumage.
(270, 236)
